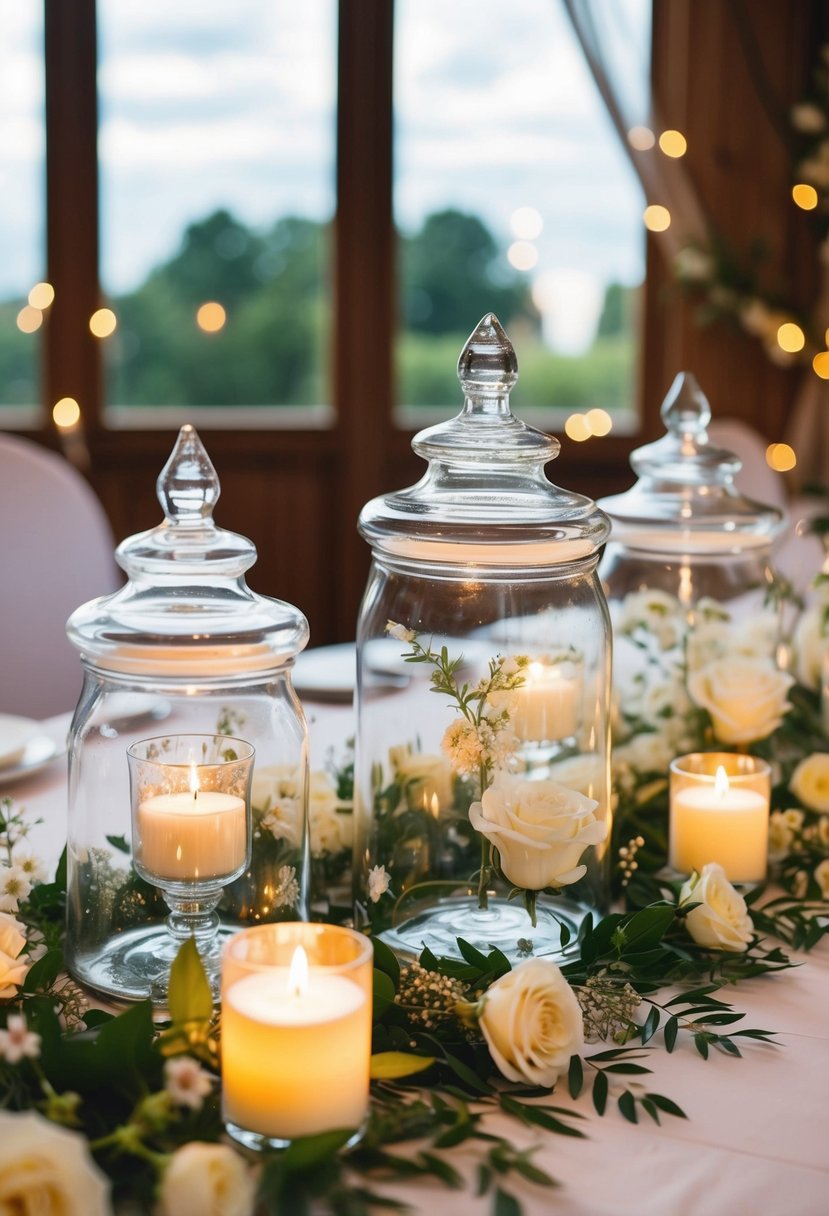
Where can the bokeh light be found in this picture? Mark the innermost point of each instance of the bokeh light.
(211, 317)
(102, 323)
(790, 337)
(526, 223)
(66, 412)
(657, 218)
(673, 143)
(599, 421)
(805, 196)
(820, 364)
(41, 295)
(781, 457)
(577, 427)
(29, 319)
(641, 139)
(522, 255)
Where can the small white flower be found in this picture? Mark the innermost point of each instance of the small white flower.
(378, 883)
(14, 886)
(463, 747)
(186, 1082)
(17, 1041)
(509, 666)
(31, 866)
(400, 632)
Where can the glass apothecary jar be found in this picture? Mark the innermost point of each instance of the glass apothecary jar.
(688, 577)
(482, 757)
(183, 648)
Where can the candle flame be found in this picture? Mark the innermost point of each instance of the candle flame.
(721, 782)
(298, 973)
(195, 784)
(435, 807)
(535, 670)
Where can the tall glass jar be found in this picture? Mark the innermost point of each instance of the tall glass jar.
(482, 779)
(689, 582)
(183, 648)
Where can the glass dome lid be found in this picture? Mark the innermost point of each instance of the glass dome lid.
(186, 611)
(484, 499)
(685, 499)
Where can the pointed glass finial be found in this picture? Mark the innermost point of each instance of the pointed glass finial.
(488, 361)
(188, 486)
(685, 410)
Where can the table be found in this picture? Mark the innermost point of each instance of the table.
(757, 1135)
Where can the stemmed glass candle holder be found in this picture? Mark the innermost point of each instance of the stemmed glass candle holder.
(191, 836)
(296, 1032)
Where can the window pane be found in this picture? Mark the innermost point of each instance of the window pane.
(22, 211)
(513, 195)
(217, 181)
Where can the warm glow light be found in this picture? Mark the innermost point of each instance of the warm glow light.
(41, 295)
(522, 255)
(211, 317)
(193, 781)
(641, 138)
(526, 223)
(599, 421)
(29, 319)
(820, 363)
(578, 428)
(805, 196)
(790, 337)
(434, 807)
(721, 782)
(673, 143)
(102, 323)
(781, 457)
(66, 412)
(657, 218)
(298, 973)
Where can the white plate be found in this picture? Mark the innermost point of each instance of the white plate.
(123, 709)
(37, 753)
(15, 734)
(329, 673)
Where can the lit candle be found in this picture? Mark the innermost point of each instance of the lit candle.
(191, 835)
(296, 1040)
(720, 817)
(546, 706)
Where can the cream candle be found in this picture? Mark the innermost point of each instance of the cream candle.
(722, 818)
(545, 708)
(191, 836)
(296, 1040)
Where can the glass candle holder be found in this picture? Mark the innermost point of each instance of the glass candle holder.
(296, 1032)
(190, 803)
(720, 812)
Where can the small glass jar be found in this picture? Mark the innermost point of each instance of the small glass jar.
(483, 578)
(184, 647)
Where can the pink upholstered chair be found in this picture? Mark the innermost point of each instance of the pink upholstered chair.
(56, 551)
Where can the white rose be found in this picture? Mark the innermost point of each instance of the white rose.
(647, 752)
(540, 829)
(46, 1170)
(584, 773)
(746, 698)
(13, 969)
(532, 1023)
(780, 836)
(330, 829)
(810, 781)
(425, 776)
(665, 700)
(207, 1180)
(810, 644)
(655, 611)
(721, 921)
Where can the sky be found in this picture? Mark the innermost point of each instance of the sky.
(232, 105)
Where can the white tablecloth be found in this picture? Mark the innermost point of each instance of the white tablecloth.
(756, 1140)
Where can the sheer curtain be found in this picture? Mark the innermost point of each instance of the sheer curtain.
(620, 68)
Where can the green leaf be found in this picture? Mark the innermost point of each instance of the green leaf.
(600, 1092)
(575, 1076)
(650, 1026)
(309, 1151)
(391, 1065)
(42, 974)
(472, 956)
(442, 1169)
(650, 1108)
(645, 929)
(386, 960)
(701, 1044)
(627, 1105)
(484, 1179)
(538, 1116)
(384, 993)
(630, 1069)
(671, 1031)
(669, 1107)
(189, 998)
(120, 843)
(504, 1204)
(466, 1074)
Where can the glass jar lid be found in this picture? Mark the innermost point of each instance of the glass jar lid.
(685, 499)
(186, 611)
(484, 499)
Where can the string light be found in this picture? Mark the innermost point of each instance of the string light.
(673, 144)
(781, 457)
(790, 337)
(66, 413)
(102, 323)
(805, 196)
(522, 255)
(526, 223)
(599, 421)
(29, 319)
(641, 139)
(657, 218)
(41, 295)
(578, 428)
(211, 317)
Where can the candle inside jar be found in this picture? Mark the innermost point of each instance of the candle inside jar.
(193, 835)
(296, 1046)
(714, 821)
(546, 706)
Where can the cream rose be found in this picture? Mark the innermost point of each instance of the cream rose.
(46, 1170)
(540, 829)
(721, 921)
(425, 775)
(532, 1023)
(810, 781)
(207, 1180)
(746, 698)
(13, 968)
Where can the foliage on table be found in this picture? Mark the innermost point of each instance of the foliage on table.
(93, 1100)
